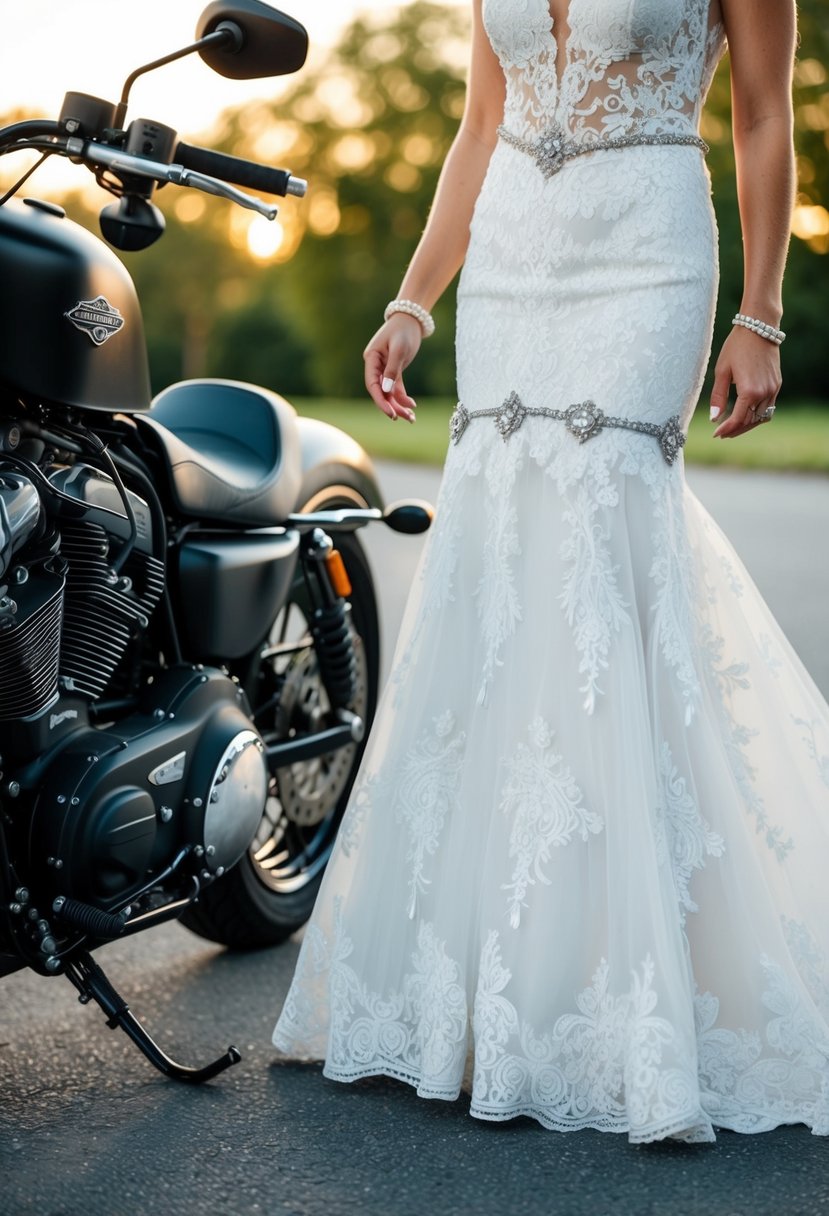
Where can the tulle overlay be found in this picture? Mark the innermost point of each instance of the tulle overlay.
(590, 836)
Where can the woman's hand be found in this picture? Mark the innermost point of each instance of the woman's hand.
(752, 365)
(389, 352)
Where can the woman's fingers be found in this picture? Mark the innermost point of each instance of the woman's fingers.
(742, 417)
(390, 351)
(719, 392)
(752, 365)
(375, 363)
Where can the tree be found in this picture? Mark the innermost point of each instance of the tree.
(370, 128)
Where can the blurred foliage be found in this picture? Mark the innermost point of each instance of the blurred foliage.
(369, 128)
(292, 304)
(806, 285)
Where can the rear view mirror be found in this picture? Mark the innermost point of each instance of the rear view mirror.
(267, 42)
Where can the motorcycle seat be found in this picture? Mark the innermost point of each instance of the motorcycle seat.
(230, 450)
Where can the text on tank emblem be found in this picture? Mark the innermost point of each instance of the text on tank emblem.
(97, 318)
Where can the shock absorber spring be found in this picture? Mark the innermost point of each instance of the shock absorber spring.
(335, 653)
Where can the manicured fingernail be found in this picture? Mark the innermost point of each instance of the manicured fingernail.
(714, 413)
(410, 416)
(388, 384)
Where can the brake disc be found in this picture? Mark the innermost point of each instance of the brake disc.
(310, 789)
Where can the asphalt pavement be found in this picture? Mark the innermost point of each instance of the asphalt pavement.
(87, 1128)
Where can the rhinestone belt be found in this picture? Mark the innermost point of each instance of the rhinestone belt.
(584, 420)
(553, 148)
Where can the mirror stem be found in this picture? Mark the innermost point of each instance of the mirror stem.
(227, 34)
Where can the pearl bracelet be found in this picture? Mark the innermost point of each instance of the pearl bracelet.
(769, 332)
(417, 311)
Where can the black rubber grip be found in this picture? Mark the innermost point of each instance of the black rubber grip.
(232, 169)
(30, 129)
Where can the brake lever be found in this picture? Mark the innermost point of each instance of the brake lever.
(119, 163)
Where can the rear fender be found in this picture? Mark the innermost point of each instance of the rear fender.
(335, 469)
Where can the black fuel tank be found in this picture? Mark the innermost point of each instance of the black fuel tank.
(70, 323)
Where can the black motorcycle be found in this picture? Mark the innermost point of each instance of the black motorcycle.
(188, 666)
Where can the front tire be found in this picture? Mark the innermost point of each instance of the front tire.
(270, 892)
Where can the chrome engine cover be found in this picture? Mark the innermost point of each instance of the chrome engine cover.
(235, 802)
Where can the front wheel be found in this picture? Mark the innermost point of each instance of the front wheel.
(270, 893)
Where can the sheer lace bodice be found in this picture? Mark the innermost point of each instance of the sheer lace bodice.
(607, 68)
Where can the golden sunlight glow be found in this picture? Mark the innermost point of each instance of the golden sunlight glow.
(809, 221)
(383, 47)
(402, 177)
(264, 238)
(323, 212)
(353, 152)
(275, 141)
(343, 107)
(420, 150)
(814, 117)
(404, 92)
(805, 169)
(190, 207)
(809, 72)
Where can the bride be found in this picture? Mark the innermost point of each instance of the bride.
(589, 840)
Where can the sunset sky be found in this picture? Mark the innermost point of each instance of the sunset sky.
(50, 46)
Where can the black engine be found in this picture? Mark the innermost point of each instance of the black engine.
(118, 772)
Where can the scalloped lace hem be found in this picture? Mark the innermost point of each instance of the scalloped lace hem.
(690, 1127)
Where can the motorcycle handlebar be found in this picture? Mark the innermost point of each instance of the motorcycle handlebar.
(242, 172)
(31, 128)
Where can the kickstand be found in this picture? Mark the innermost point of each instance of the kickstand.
(92, 984)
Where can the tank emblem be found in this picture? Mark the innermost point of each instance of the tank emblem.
(97, 318)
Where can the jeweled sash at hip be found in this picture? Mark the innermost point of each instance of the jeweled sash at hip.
(583, 420)
(553, 149)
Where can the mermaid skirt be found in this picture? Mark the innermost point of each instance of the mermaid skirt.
(587, 846)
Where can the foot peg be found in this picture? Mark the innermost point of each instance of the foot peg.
(93, 985)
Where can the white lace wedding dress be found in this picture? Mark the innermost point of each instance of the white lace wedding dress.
(589, 842)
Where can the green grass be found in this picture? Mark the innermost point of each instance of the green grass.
(797, 439)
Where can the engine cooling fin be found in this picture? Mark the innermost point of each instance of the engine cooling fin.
(29, 646)
(102, 615)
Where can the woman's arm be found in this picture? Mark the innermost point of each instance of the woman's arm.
(442, 247)
(761, 39)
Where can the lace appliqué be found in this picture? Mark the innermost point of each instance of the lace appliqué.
(684, 838)
(737, 738)
(499, 609)
(417, 1033)
(363, 798)
(810, 739)
(546, 810)
(601, 1067)
(627, 70)
(671, 572)
(426, 787)
(593, 606)
(752, 1086)
(303, 1023)
(811, 962)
